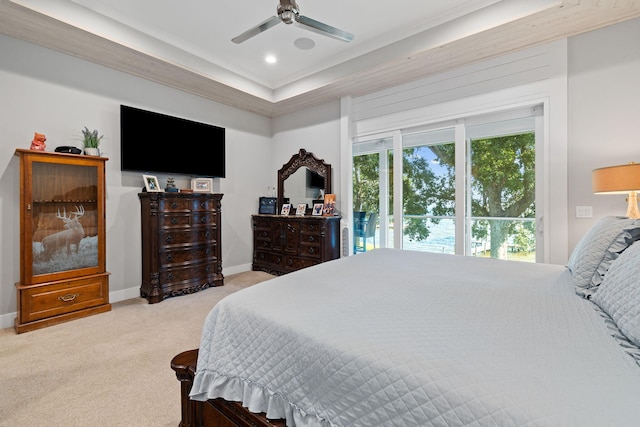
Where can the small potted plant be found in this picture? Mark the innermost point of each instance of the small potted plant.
(91, 141)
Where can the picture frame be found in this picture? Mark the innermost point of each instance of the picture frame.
(302, 209)
(202, 185)
(317, 209)
(286, 208)
(267, 205)
(329, 208)
(151, 184)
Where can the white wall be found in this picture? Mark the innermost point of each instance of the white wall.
(317, 130)
(604, 111)
(55, 94)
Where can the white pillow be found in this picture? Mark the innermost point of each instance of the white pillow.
(619, 293)
(598, 248)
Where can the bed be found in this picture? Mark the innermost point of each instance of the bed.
(393, 337)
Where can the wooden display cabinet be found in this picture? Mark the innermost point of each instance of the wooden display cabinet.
(62, 239)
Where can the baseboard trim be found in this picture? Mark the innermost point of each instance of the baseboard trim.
(7, 320)
(228, 271)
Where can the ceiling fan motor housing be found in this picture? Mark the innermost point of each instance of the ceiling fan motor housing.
(287, 11)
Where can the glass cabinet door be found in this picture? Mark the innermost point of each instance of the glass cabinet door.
(64, 218)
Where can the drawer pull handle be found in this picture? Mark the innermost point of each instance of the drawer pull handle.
(174, 205)
(207, 251)
(312, 239)
(174, 220)
(170, 276)
(207, 235)
(169, 257)
(168, 239)
(312, 250)
(207, 269)
(203, 205)
(68, 297)
(203, 219)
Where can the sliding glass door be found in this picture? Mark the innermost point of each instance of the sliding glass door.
(371, 189)
(428, 191)
(501, 191)
(468, 189)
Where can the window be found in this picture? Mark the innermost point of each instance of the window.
(469, 188)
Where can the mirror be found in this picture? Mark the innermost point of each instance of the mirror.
(303, 179)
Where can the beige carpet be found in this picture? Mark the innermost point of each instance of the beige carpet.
(111, 369)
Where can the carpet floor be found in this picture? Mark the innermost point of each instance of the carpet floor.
(110, 369)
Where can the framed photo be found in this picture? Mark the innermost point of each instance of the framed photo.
(151, 184)
(286, 207)
(302, 209)
(202, 185)
(267, 205)
(317, 209)
(329, 208)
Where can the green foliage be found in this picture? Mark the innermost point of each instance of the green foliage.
(90, 139)
(366, 183)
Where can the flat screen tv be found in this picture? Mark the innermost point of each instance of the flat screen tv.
(314, 180)
(157, 143)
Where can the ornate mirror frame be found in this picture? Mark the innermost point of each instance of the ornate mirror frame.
(303, 159)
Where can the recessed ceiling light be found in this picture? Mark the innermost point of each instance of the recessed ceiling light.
(270, 59)
(304, 43)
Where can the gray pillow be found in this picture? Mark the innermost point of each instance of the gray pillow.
(619, 293)
(598, 248)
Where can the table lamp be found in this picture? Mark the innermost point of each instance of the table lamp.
(620, 179)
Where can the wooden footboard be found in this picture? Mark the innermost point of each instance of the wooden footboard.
(214, 412)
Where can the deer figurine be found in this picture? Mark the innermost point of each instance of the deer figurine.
(71, 235)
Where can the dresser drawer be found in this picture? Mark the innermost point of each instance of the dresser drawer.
(172, 258)
(295, 263)
(53, 299)
(205, 272)
(314, 228)
(310, 250)
(260, 224)
(174, 205)
(169, 237)
(203, 219)
(262, 242)
(176, 219)
(208, 205)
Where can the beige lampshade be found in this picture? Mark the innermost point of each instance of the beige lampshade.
(617, 179)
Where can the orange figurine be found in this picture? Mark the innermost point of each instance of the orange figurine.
(38, 142)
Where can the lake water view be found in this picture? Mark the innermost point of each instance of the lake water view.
(442, 240)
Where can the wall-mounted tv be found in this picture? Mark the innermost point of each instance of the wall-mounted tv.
(158, 143)
(314, 180)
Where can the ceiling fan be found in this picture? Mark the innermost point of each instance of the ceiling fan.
(288, 12)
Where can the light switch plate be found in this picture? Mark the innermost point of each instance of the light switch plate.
(584, 212)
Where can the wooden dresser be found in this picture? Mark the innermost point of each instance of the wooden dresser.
(282, 244)
(181, 249)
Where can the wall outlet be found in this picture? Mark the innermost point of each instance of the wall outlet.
(584, 212)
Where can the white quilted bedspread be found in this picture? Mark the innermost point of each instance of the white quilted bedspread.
(404, 338)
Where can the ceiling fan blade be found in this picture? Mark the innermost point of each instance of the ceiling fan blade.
(263, 26)
(324, 29)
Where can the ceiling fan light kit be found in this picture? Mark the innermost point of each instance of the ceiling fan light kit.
(289, 13)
